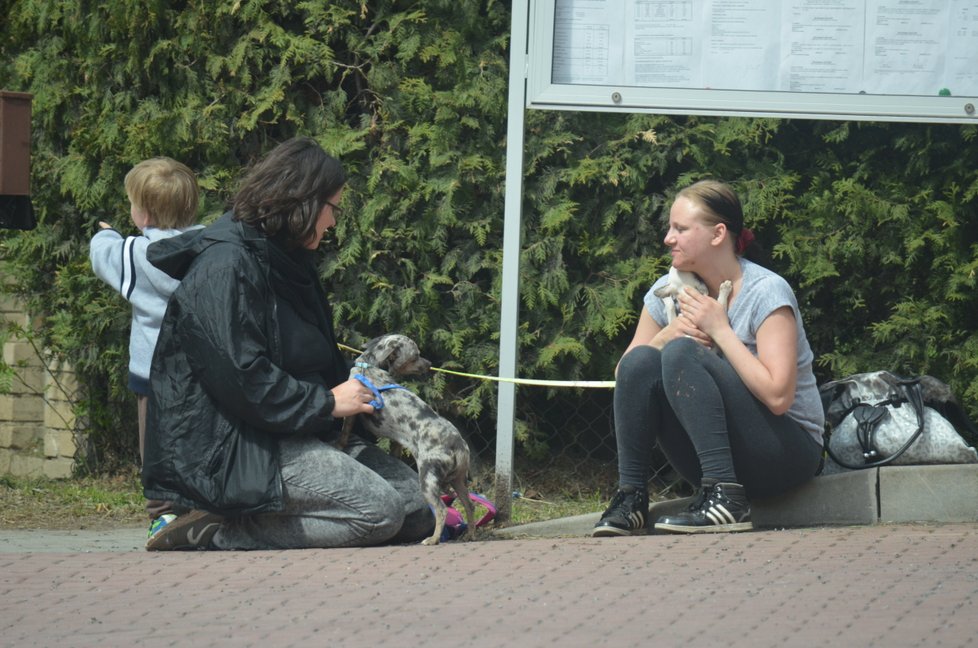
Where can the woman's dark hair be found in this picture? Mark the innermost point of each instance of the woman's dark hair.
(283, 194)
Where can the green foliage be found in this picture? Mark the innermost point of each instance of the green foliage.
(874, 223)
(407, 95)
(883, 245)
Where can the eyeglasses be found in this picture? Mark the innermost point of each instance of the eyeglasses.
(337, 210)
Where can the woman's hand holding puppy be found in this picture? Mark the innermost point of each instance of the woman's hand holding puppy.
(704, 314)
(351, 398)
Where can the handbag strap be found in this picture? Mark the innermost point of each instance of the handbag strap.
(868, 418)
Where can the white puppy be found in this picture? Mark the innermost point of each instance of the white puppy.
(679, 279)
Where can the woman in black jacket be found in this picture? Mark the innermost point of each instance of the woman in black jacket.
(248, 385)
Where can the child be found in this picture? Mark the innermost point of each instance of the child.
(163, 196)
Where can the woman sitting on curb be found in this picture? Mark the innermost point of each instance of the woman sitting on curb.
(730, 397)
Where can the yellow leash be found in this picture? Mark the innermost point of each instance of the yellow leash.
(590, 384)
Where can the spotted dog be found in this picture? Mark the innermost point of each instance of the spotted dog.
(679, 279)
(441, 454)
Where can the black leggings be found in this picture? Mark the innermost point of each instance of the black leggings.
(706, 422)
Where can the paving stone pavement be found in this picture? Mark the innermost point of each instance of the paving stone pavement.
(879, 585)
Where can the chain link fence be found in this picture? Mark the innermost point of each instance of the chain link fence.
(565, 446)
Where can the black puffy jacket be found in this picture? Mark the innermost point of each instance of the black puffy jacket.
(246, 353)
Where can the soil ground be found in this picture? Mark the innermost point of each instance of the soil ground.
(109, 502)
(88, 503)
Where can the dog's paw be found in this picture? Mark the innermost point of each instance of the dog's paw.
(433, 540)
(724, 294)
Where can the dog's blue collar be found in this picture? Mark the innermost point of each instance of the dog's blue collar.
(378, 401)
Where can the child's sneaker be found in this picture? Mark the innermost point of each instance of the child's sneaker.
(157, 525)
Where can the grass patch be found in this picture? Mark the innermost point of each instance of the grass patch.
(116, 501)
(81, 503)
(108, 502)
(562, 488)
(526, 510)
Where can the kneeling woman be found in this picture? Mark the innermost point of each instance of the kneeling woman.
(249, 387)
(729, 396)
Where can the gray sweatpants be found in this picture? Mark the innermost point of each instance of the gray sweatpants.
(356, 497)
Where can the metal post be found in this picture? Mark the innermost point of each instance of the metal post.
(510, 297)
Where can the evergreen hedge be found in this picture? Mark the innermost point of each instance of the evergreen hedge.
(874, 223)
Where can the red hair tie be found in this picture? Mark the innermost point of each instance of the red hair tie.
(744, 239)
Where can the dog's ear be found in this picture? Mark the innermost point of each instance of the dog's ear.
(368, 349)
(664, 291)
(382, 351)
(393, 353)
(373, 350)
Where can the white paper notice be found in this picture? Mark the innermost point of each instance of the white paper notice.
(822, 46)
(589, 39)
(742, 45)
(664, 44)
(905, 46)
(881, 47)
(961, 75)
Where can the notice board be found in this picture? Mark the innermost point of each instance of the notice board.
(890, 60)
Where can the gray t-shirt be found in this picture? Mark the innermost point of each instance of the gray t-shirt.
(761, 293)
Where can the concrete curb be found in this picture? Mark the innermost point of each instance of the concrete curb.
(891, 494)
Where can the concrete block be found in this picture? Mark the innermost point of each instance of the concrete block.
(21, 408)
(5, 457)
(844, 498)
(26, 466)
(17, 318)
(50, 445)
(19, 352)
(29, 381)
(10, 304)
(67, 444)
(19, 436)
(59, 444)
(60, 468)
(891, 494)
(576, 525)
(59, 415)
(62, 381)
(945, 493)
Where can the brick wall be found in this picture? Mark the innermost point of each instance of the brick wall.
(37, 425)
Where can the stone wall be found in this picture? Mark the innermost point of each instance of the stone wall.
(37, 424)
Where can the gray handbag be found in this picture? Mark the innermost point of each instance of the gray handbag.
(878, 418)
